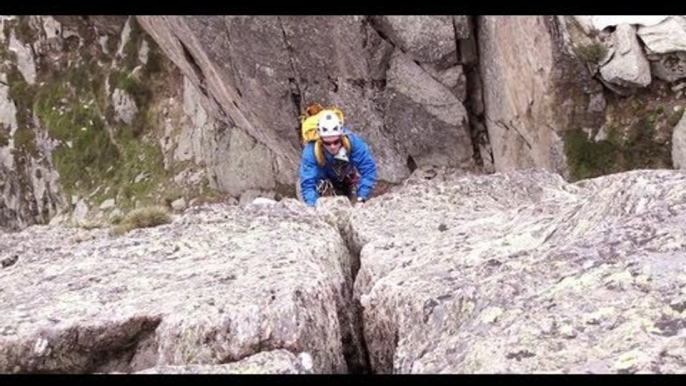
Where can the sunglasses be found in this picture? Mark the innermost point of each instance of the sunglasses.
(334, 143)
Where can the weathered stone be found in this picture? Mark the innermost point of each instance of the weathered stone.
(597, 103)
(219, 284)
(124, 37)
(666, 37)
(51, 27)
(107, 204)
(124, 106)
(248, 166)
(523, 272)
(25, 60)
(602, 22)
(452, 78)
(431, 121)
(249, 196)
(105, 24)
(629, 66)
(679, 144)
(80, 212)
(669, 67)
(424, 38)
(521, 93)
(269, 362)
(179, 204)
(233, 90)
(142, 176)
(8, 120)
(143, 53)
(344, 66)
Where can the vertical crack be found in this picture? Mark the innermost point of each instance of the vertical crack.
(355, 348)
(468, 56)
(296, 92)
(350, 315)
(202, 83)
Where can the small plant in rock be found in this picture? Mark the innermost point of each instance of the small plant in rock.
(93, 225)
(4, 136)
(592, 52)
(145, 217)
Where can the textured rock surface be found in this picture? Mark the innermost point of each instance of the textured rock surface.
(421, 90)
(425, 38)
(29, 191)
(604, 21)
(665, 37)
(124, 106)
(669, 67)
(529, 91)
(217, 285)
(74, 92)
(433, 125)
(525, 273)
(679, 144)
(26, 63)
(269, 362)
(346, 65)
(458, 273)
(629, 66)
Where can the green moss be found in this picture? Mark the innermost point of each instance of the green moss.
(134, 87)
(639, 150)
(654, 116)
(78, 77)
(97, 85)
(25, 141)
(145, 217)
(587, 159)
(592, 52)
(614, 136)
(4, 136)
(94, 151)
(142, 96)
(141, 158)
(91, 152)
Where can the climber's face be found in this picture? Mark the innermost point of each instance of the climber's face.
(332, 144)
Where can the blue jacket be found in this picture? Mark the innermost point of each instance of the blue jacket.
(360, 158)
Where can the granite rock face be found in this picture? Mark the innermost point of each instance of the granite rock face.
(523, 272)
(219, 284)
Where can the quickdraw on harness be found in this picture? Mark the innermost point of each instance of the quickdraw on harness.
(325, 188)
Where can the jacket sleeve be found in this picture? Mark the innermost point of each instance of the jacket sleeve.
(309, 175)
(366, 166)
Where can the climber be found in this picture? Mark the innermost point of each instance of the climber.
(346, 167)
